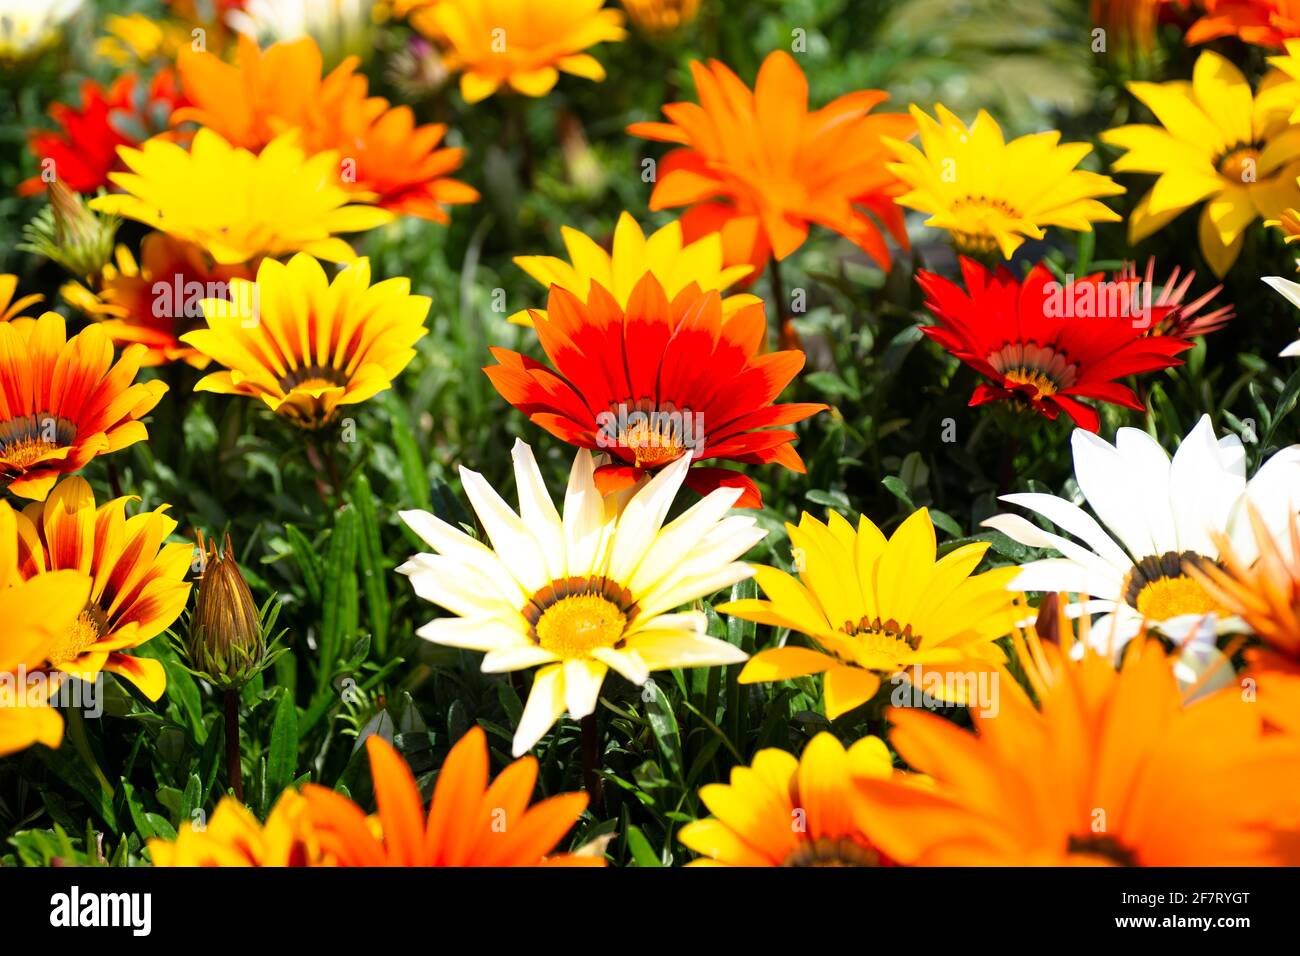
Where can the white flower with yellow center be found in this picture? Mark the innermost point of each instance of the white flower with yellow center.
(27, 27)
(580, 594)
(1154, 517)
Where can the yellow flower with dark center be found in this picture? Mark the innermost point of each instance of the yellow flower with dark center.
(1215, 144)
(783, 811)
(139, 580)
(877, 607)
(522, 44)
(310, 345)
(237, 205)
(991, 195)
(664, 254)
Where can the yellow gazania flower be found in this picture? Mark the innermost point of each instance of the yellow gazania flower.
(237, 205)
(875, 607)
(309, 345)
(523, 44)
(10, 307)
(782, 811)
(676, 264)
(580, 594)
(661, 18)
(234, 837)
(139, 582)
(1215, 144)
(135, 38)
(990, 194)
(36, 614)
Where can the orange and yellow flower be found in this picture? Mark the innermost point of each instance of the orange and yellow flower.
(470, 822)
(63, 401)
(234, 837)
(139, 581)
(1260, 22)
(761, 169)
(11, 307)
(521, 44)
(783, 811)
(306, 345)
(1113, 770)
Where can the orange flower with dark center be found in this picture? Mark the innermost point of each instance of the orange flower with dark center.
(470, 822)
(266, 93)
(63, 401)
(760, 168)
(84, 151)
(656, 381)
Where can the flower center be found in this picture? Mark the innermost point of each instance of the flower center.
(1159, 590)
(26, 440)
(881, 645)
(653, 435)
(1104, 846)
(313, 376)
(575, 616)
(832, 851)
(86, 630)
(1239, 164)
(1038, 367)
(978, 238)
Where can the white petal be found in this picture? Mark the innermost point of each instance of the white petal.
(461, 589)
(516, 657)
(679, 537)
(626, 663)
(642, 517)
(582, 680)
(585, 528)
(1064, 576)
(472, 633)
(538, 511)
(456, 545)
(1147, 466)
(1201, 490)
(1024, 531)
(508, 533)
(691, 584)
(665, 649)
(1070, 517)
(1289, 290)
(1099, 470)
(544, 707)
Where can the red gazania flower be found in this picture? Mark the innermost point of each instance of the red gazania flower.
(1046, 344)
(1170, 314)
(760, 168)
(655, 381)
(84, 151)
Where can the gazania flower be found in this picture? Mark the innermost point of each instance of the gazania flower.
(783, 811)
(1291, 292)
(1170, 314)
(134, 39)
(580, 594)
(385, 156)
(139, 582)
(876, 607)
(63, 401)
(315, 344)
(641, 383)
(993, 195)
(760, 168)
(237, 206)
(522, 44)
(664, 254)
(1115, 770)
(28, 27)
(1261, 22)
(342, 28)
(37, 616)
(156, 300)
(1217, 144)
(11, 307)
(1046, 345)
(234, 837)
(84, 151)
(469, 823)
(1157, 516)
(1129, 24)
(661, 18)
(1266, 596)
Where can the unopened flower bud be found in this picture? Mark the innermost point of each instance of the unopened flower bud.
(68, 232)
(227, 642)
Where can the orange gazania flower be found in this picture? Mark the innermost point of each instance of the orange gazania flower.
(1260, 22)
(469, 822)
(158, 299)
(266, 93)
(1115, 769)
(139, 585)
(658, 380)
(760, 168)
(63, 401)
(1266, 595)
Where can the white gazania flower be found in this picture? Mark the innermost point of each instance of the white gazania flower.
(1291, 292)
(341, 28)
(583, 593)
(1153, 516)
(28, 26)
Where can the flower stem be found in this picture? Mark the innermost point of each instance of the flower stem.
(233, 769)
(778, 290)
(591, 763)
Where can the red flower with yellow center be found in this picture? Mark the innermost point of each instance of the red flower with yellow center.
(1044, 344)
(658, 380)
(760, 168)
(84, 151)
(63, 401)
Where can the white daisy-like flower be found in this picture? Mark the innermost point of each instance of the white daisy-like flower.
(1291, 292)
(1154, 515)
(29, 26)
(341, 28)
(584, 593)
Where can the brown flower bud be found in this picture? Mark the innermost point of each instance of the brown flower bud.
(227, 642)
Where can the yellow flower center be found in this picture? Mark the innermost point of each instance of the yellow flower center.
(1239, 164)
(831, 851)
(1159, 590)
(577, 625)
(1039, 380)
(1041, 367)
(881, 645)
(86, 630)
(651, 445)
(313, 376)
(977, 238)
(25, 440)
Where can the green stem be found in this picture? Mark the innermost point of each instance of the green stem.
(76, 722)
(234, 768)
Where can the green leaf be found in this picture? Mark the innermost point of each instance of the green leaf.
(340, 588)
(415, 477)
(374, 572)
(898, 488)
(663, 722)
(643, 853)
(282, 764)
